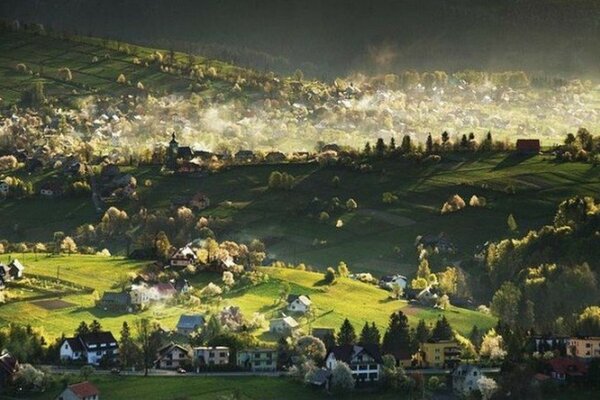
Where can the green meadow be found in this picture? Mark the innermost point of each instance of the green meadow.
(377, 237)
(357, 301)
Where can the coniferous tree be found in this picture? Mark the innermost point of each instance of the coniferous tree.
(406, 145)
(380, 148)
(82, 329)
(475, 337)
(95, 327)
(396, 340)
(422, 333)
(442, 330)
(392, 145)
(347, 334)
(370, 335)
(429, 144)
(367, 150)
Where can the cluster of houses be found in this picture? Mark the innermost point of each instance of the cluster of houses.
(144, 290)
(10, 272)
(184, 159)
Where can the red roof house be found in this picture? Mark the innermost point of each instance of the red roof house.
(566, 368)
(82, 391)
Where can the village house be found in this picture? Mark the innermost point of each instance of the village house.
(584, 347)
(465, 378)
(80, 391)
(115, 301)
(189, 324)
(162, 291)
(427, 297)
(542, 344)
(183, 257)
(90, 348)
(244, 156)
(51, 189)
(4, 188)
(173, 356)
(8, 367)
(140, 295)
(275, 157)
(298, 303)
(565, 369)
(12, 271)
(257, 360)
(364, 361)
(208, 356)
(438, 354)
(283, 326)
(388, 281)
(439, 242)
(528, 146)
(109, 172)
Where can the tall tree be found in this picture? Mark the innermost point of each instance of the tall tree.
(396, 340)
(95, 327)
(148, 339)
(347, 334)
(128, 352)
(422, 333)
(380, 148)
(82, 329)
(370, 335)
(429, 144)
(442, 330)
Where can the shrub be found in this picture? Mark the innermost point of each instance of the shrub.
(121, 79)
(453, 204)
(329, 276)
(389, 198)
(8, 162)
(477, 201)
(65, 73)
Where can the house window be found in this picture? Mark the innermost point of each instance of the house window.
(373, 366)
(211, 354)
(222, 354)
(363, 367)
(373, 376)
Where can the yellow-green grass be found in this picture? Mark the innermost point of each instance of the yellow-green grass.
(357, 301)
(347, 298)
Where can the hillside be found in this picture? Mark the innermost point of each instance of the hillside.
(95, 64)
(354, 300)
(377, 237)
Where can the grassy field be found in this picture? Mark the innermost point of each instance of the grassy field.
(213, 388)
(357, 301)
(243, 388)
(94, 66)
(377, 237)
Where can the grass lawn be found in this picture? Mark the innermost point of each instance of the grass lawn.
(213, 388)
(357, 301)
(377, 237)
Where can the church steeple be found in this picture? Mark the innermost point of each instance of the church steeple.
(173, 152)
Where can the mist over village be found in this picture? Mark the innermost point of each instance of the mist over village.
(285, 199)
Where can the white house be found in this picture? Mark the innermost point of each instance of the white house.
(183, 257)
(464, 379)
(299, 304)
(285, 325)
(80, 391)
(387, 282)
(91, 347)
(364, 361)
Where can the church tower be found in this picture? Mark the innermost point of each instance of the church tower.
(172, 152)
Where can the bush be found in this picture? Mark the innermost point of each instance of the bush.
(453, 204)
(329, 276)
(477, 201)
(341, 378)
(121, 79)
(8, 162)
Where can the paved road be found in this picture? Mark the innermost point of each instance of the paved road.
(162, 372)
